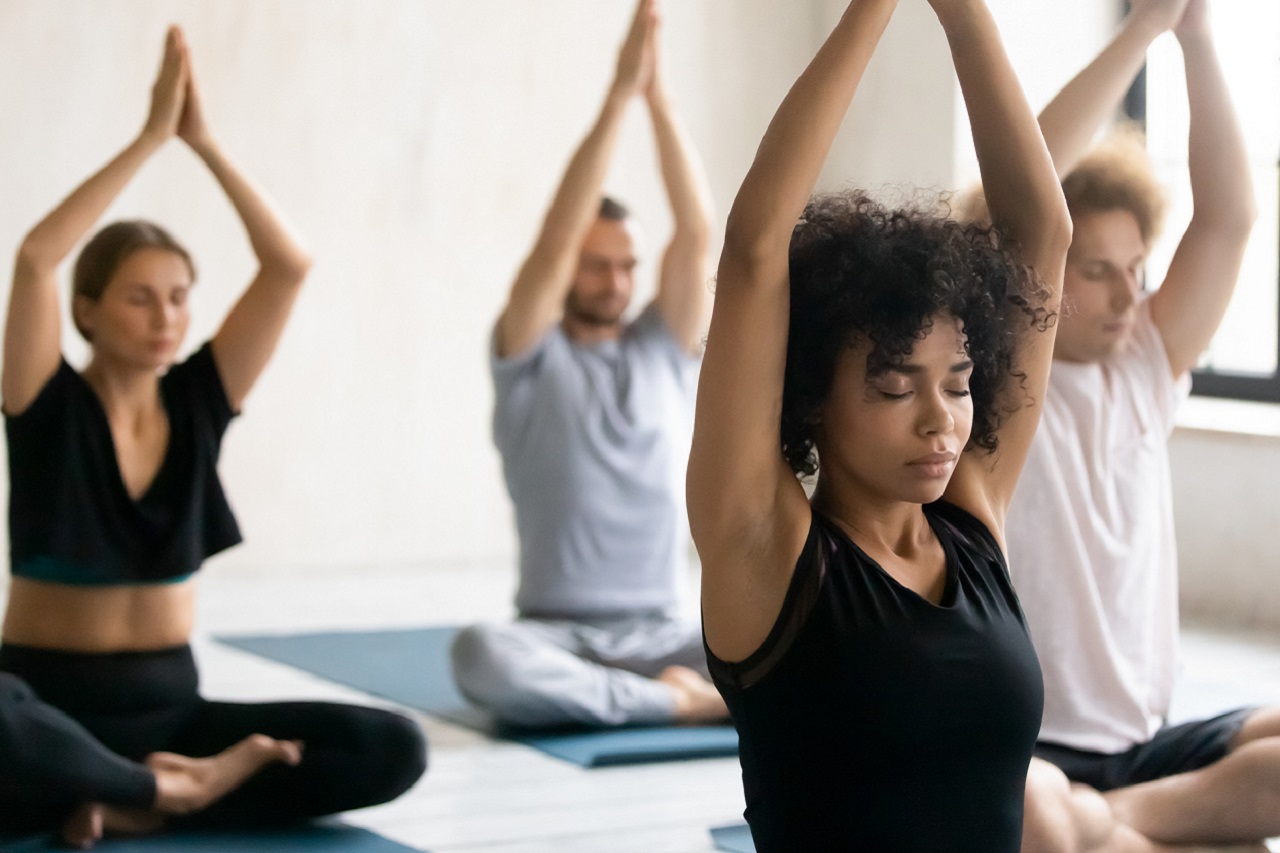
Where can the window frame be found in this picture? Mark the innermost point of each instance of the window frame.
(1207, 382)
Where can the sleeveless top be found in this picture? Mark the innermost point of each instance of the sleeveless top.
(71, 519)
(873, 720)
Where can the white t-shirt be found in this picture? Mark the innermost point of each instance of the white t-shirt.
(1092, 550)
(594, 443)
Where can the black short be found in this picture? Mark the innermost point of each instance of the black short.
(1173, 749)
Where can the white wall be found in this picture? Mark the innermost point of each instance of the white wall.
(416, 144)
(1227, 504)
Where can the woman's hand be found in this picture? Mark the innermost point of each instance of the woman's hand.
(192, 127)
(168, 94)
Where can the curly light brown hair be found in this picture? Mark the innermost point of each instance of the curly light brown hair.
(1118, 175)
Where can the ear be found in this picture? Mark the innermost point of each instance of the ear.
(85, 314)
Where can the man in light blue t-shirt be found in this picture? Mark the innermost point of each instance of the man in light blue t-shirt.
(592, 419)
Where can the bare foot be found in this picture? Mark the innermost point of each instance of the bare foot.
(83, 829)
(92, 821)
(185, 785)
(697, 699)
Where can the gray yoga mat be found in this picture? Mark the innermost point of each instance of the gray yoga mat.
(733, 839)
(411, 667)
(328, 838)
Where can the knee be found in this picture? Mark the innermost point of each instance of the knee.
(402, 755)
(1059, 817)
(13, 690)
(483, 665)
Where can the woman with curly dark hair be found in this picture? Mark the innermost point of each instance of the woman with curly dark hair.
(868, 642)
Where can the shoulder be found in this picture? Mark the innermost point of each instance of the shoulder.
(528, 361)
(965, 530)
(651, 329)
(64, 388)
(196, 385)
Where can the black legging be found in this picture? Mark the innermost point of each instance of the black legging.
(137, 703)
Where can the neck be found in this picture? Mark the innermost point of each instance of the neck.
(876, 523)
(121, 388)
(588, 333)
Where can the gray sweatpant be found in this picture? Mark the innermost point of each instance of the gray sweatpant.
(543, 672)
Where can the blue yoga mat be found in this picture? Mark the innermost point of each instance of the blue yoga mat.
(308, 839)
(733, 839)
(411, 667)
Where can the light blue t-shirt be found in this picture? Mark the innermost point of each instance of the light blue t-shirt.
(594, 442)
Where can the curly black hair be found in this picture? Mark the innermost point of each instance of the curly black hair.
(860, 269)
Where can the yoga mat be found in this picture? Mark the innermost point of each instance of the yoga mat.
(308, 839)
(733, 839)
(411, 667)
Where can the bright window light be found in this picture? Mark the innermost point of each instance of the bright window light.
(1247, 33)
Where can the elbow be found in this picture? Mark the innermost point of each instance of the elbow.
(35, 257)
(1233, 222)
(292, 267)
(750, 244)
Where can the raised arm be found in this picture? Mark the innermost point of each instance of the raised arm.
(682, 283)
(244, 343)
(748, 512)
(33, 331)
(1087, 103)
(537, 297)
(1191, 302)
(1026, 204)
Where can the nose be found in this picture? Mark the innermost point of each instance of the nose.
(164, 315)
(619, 278)
(1124, 292)
(935, 416)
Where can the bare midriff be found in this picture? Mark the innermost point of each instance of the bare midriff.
(98, 619)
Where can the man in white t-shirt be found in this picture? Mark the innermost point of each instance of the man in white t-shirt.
(1090, 531)
(592, 416)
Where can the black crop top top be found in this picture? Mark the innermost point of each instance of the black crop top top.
(71, 519)
(873, 720)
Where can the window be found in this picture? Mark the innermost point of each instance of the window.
(1244, 359)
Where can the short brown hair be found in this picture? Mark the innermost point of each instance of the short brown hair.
(109, 248)
(1118, 175)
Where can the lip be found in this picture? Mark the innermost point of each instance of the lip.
(934, 464)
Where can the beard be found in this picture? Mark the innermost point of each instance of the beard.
(598, 313)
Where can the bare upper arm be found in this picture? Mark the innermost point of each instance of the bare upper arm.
(1191, 302)
(245, 342)
(748, 513)
(33, 334)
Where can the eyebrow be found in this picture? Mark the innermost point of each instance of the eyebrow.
(915, 369)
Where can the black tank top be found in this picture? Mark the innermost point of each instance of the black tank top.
(873, 720)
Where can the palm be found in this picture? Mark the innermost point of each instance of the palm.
(1195, 19)
(168, 92)
(1165, 13)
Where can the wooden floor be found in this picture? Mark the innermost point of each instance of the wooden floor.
(478, 796)
(481, 796)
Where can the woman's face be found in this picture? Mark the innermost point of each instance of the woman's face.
(142, 315)
(897, 435)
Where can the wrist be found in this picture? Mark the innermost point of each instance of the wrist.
(204, 147)
(957, 15)
(1147, 26)
(1195, 40)
(150, 139)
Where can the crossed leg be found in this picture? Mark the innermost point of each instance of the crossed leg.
(1235, 799)
(1229, 805)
